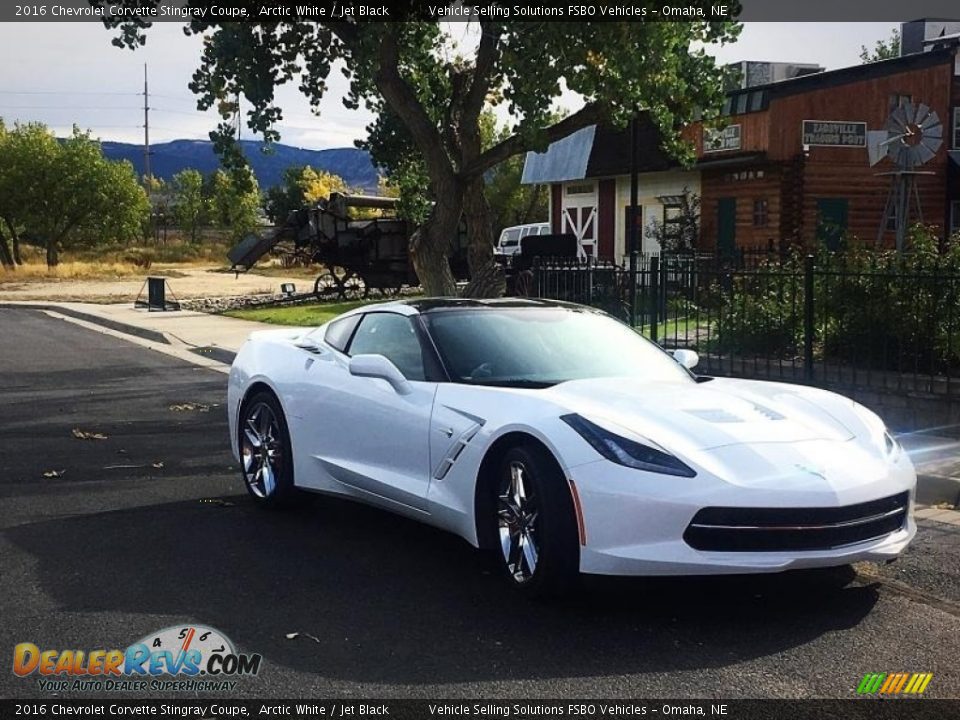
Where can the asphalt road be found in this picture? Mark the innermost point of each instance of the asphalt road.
(119, 545)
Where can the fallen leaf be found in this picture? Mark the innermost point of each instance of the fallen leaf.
(157, 465)
(217, 501)
(944, 506)
(84, 435)
(295, 635)
(54, 473)
(189, 406)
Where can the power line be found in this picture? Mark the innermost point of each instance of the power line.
(63, 92)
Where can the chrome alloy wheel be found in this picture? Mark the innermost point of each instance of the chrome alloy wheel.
(517, 516)
(262, 450)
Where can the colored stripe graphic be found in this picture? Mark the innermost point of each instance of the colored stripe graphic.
(870, 683)
(894, 683)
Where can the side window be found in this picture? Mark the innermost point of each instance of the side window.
(339, 332)
(393, 337)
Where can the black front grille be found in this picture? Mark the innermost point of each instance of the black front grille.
(772, 529)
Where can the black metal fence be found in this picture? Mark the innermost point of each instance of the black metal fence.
(883, 322)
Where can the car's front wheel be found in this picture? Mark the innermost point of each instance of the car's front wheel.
(266, 459)
(535, 524)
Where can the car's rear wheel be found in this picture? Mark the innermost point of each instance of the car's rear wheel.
(266, 459)
(534, 524)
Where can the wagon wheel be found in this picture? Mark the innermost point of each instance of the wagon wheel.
(354, 288)
(326, 287)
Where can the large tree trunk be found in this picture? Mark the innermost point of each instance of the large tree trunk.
(486, 277)
(6, 259)
(430, 248)
(53, 254)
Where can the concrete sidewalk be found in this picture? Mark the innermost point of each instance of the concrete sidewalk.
(215, 339)
(215, 335)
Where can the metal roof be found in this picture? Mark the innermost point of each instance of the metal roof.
(565, 159)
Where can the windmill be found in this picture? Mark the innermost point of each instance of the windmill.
(910, 137)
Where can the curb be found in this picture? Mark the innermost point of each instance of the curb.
(935, 489)
(152, 335)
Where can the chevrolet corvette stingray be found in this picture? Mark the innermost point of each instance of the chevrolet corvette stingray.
(563, 442)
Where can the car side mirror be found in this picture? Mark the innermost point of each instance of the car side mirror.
(687, 358)
(377, 366)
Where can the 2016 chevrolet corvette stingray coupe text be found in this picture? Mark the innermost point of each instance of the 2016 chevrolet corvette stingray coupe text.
(563, 442)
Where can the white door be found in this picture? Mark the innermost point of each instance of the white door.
(579, 216)
(367, 436)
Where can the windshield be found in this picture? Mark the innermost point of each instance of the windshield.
(539, 347)
(510, 237)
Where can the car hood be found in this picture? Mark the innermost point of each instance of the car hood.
(707, 415)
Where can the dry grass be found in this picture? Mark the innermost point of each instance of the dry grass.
(75, 270)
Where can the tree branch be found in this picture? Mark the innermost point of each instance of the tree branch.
(589, 114)
(405, 103)
(487, 53)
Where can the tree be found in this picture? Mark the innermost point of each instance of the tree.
(191, 211)
(883, 50)
(438, 89)
(234, 205)
(301, 186)
(63, 193)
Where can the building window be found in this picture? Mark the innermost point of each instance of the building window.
(581, 189)
(761, 212)
(898, 101)
(956, 128)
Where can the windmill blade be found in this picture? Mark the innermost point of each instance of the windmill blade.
(931, 143)
(897, 122)
(930, 121)
(936, 131)
(923, 153)
(875, 149)
(909, 113)
(923, 110)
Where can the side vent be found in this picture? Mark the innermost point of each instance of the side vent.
(455, 450)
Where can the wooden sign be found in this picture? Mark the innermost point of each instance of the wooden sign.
(834, 133)
(727, 138)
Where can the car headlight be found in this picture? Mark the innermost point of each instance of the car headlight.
(624, 451)
(890, 444)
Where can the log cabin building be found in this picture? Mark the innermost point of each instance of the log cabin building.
(797, 161)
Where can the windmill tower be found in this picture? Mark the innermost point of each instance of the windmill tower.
(910, 137)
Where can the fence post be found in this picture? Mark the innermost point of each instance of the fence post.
(632, 292)
(808, 318)
(654, 301)
(662, 296)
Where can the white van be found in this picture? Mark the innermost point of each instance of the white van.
(510, 239)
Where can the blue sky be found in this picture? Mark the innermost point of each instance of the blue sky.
(61, 73)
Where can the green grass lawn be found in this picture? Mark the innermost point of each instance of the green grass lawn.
(307, 314)
(680, 328)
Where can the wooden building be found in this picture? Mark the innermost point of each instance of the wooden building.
(791, 163)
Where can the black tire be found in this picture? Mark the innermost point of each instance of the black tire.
(262, 418)
(552, 531)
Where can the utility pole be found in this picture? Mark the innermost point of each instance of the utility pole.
(146, 128)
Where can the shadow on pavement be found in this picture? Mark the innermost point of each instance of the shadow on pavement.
(393, 601)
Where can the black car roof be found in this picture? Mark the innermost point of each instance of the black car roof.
(427, 305)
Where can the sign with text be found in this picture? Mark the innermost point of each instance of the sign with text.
(721, 139)
(834, 133)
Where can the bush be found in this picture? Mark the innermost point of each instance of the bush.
(874, 309)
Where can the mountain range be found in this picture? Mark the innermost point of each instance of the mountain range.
(169, 158)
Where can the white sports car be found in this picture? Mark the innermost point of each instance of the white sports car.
(565, 443)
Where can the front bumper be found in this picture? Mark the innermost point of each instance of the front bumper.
(634, 522)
